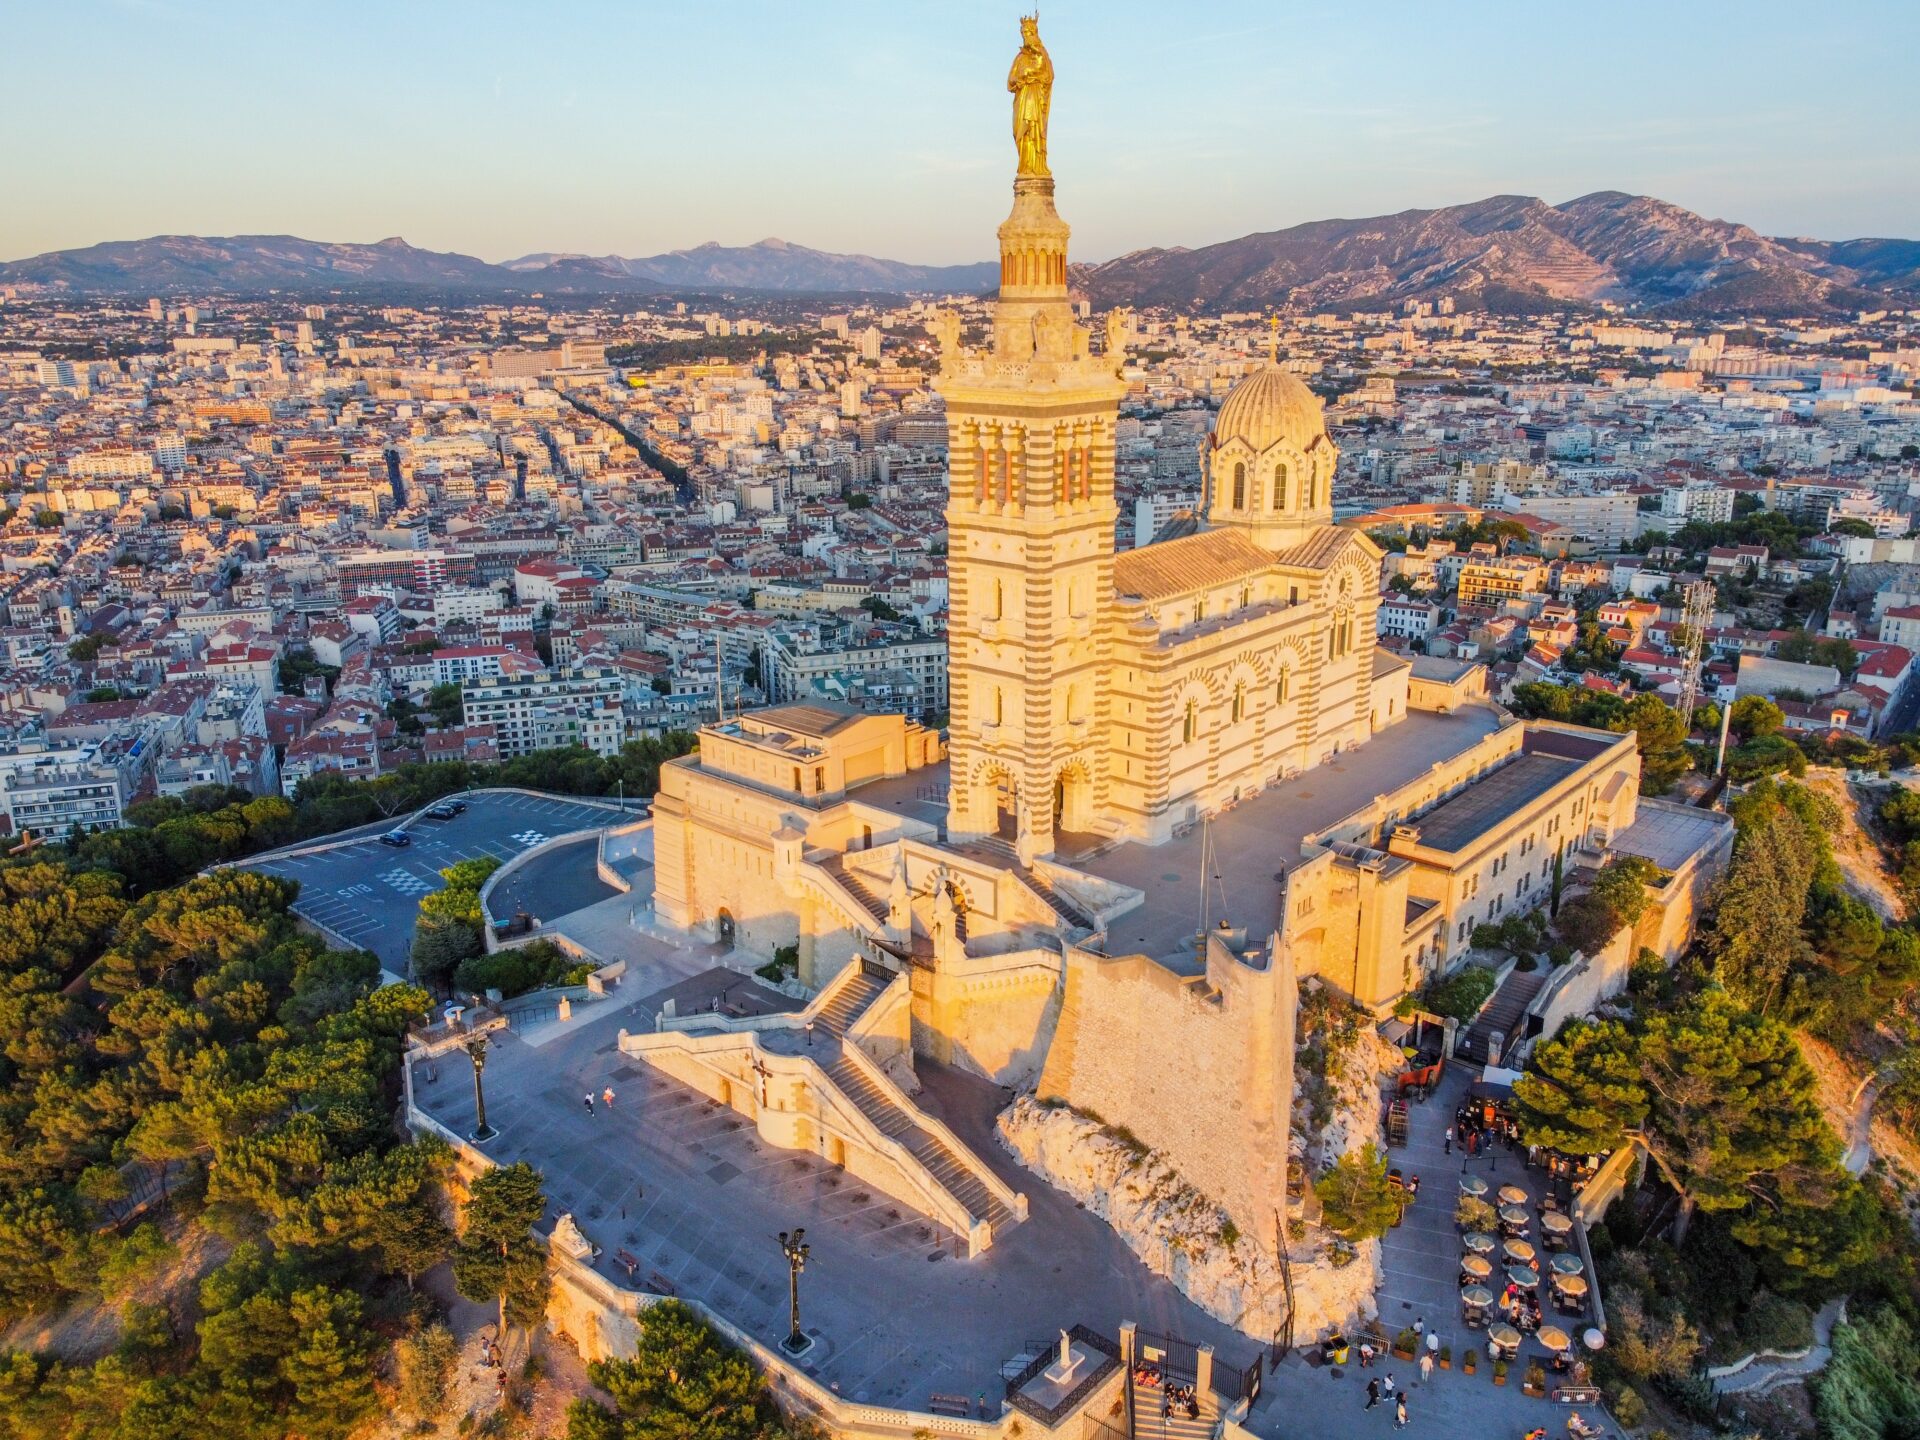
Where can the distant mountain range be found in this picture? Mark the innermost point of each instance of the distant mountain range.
(1510, 252)
(1519, 253)
(253, 263)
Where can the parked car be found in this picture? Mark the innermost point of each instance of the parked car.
(445, 809)
(399, 839)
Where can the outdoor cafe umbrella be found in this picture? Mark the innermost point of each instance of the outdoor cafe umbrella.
(1558, 1223)
(1477, 1243)
(1554, 1338)
(1567, 1265)
(1512, 1215)
(1472, 1185)
(1512, 1195)
(1571, 1286)
(1477, 1295)
(1523, 1277)
(1519, 1251)
(1505, 1336)
(1478, 1268)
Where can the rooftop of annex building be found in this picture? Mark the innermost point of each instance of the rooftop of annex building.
(1231, 869)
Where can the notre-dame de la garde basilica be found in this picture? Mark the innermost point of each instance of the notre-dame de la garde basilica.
(1177, 781)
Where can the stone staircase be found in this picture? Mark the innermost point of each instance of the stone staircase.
(1502, 1015)
(856, 886)
(850, 1002)
(891, 1120)
(1151, 1421)
(998, 850)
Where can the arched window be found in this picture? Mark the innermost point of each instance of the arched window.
(1239, 486)
(1280, 487)
(1246, 596)
(1239, 702)
(1190, 724)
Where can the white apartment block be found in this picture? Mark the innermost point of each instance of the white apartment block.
(792, 671)
(50, 798)
(547, 709)
(1409, 619)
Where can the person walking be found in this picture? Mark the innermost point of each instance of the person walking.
(588, 1097)
(1373, 1393)
(1400, 1413)
(1449, 1139)
(606, 1097)
(1386, 1387)
(1426, 1365)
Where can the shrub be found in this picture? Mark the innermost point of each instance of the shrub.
(1773, 1322)
(1473, 1213)
(1628, 1408)
(1461, 994)
(520, 968)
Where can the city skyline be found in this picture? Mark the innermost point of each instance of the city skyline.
(469, 129)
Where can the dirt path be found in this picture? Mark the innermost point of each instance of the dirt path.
(1862, 861)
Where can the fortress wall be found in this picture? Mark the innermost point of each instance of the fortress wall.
(992, 1015)
(1173, 1061)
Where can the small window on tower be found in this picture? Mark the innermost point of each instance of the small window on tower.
(1279, 487)
(1190, 726)
(1239, 486)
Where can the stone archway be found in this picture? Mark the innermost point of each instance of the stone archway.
(1073, 798)
(725, 926)
(995, 802)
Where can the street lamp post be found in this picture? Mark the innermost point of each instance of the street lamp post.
(476, 1048)
(796, 1251)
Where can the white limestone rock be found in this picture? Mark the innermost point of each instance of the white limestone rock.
(1179, 1233)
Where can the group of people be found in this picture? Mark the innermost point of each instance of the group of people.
(606, 1098)
(1184, 1398)
(1478, 1133)
(1520, 1309)
(1378, 1390)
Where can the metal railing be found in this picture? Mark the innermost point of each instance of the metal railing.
(1052, 1415)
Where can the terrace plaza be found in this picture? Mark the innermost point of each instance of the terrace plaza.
(685, 1187)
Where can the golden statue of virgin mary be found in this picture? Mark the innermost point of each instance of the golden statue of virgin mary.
(1030, 82)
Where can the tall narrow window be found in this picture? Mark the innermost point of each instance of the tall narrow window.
(1279, 487)
(1239, 486)
(999, 705)
(1280, 687)
(1239, 703)
(1190, 724)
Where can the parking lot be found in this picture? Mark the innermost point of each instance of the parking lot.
(369, 893)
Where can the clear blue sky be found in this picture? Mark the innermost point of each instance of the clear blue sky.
(632, 126)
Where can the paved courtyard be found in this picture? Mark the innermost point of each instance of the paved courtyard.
(686, 1187)
(369, 893)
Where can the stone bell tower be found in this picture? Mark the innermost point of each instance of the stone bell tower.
(1030, 525)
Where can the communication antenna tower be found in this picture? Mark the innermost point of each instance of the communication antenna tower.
(1699, 614)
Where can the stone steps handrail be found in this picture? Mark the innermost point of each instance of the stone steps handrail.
(876, 1010)
(1013, 1200)
(852, 1124)
(842, 899)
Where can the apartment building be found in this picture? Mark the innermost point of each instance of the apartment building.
(546, 709)
(1496, 579)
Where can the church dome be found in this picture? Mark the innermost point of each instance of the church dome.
(1269, 406)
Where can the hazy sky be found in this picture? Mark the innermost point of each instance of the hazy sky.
(633, 127)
